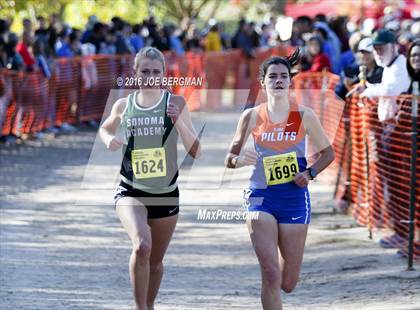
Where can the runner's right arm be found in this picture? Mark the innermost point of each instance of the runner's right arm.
(233, 159)
(110, 125)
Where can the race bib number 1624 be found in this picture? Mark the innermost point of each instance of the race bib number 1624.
(148, 163)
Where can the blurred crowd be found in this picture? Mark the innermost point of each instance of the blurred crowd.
(40, 43)
(330, 44)
(335, 44)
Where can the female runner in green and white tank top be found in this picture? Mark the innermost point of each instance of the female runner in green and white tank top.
(147, 198)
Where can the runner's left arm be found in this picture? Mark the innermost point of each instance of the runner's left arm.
(178, 111)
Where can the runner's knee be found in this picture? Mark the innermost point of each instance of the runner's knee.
(288, 286)
(156, 267)
(289, 280)
(142, 248)
(271, 275)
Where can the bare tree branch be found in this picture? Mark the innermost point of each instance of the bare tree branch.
(164, 6)
(196, 12)
(182, 7)
(190, 7)
(184, 10)
(171, 7)
(213, 11)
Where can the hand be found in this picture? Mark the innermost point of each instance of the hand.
(246, 159)
(398, 116)
(173, 112)
(114, 144)
(302, 179)
(357, 89)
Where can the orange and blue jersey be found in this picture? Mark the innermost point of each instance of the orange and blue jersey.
(272, 139)
(281, 149)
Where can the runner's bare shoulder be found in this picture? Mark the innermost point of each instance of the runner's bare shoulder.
(119, 106)
(250, 116)
(247, 120)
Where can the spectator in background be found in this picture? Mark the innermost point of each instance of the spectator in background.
(254, 35)
(162, 39)
(108, 45)
(75, 43)
(27, 25)
(365, 54)
(331, 45)
(348, 58)
(97, 36)
(123, 34)
(320, 18)
(225, 37)
(53, 30)
(241, 25)
(242, 39)
(42, 32)
(70, 46)
(24, 48)
(40, 57)
(89, 79)
(137, 40)
(326, 45)
(213, 42)
(154, 33)
(89, 70)
(193, 40)
(92, 20)
(62, 38)
(174, 41)
(339, 26)
(413, 64)
(415, 29)
(14, 59)
(366, 60)
(41, 65)
(3, 41)
(265, 36)
(316, 60)
(395, 78)
(302, 25)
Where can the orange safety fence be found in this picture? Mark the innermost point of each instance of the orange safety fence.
(316, 91)
(375, 173)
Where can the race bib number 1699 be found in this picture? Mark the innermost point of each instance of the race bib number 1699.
(281, 168)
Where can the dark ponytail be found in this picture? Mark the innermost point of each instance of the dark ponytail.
(289, 61)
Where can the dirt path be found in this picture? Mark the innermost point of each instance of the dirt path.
(62, 246)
